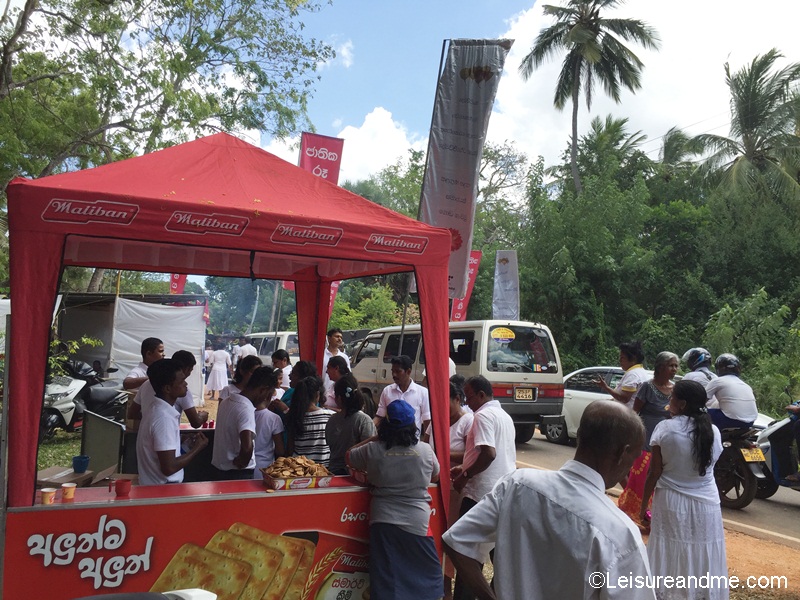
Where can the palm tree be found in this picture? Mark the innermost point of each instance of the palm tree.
(593, 51)
(763, 152)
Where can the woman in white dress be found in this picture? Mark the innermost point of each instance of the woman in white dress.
(686, 535)
(220, 366)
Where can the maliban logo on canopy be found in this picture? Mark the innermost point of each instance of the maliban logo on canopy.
(383, 242)
(199, 224)
(82, 211)
(300, 235)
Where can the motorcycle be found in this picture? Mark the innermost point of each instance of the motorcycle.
(67, 397)
(739, 469)
(773, 472)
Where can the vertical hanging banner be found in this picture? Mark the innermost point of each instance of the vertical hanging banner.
(464, 98)
(321, 155)
(505, 300)
(176, 283)
(459, 311)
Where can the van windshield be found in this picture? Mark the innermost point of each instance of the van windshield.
(520, 349)
(270, 343)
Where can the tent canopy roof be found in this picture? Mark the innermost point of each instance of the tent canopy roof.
(159, 211)
(215, 206)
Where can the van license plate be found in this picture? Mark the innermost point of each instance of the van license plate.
(524, 393)
(753, 455)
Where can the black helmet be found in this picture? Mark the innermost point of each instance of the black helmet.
(696, 358)
(727, 364)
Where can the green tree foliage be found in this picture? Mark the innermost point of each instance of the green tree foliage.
(97, 82)
(762, 155)
(760, 331)
(594, 54)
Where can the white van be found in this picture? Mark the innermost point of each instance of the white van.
(519, 358)
(268, 342)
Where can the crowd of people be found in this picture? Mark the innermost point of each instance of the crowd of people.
(658, 438)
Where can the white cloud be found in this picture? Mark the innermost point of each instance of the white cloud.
(379, 141)
(344, 53)
(682, 85)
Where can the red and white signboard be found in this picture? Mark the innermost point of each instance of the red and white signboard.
(459, 311)
(136, 544)
(321, 155)
(177, 282)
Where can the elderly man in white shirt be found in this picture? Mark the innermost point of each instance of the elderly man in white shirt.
(556, 534)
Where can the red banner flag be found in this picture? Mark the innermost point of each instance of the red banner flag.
(459, 312)
(176, 283)
(321, 155)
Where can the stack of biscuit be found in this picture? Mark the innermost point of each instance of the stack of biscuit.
(242, 563)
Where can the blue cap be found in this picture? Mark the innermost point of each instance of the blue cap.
(400, 413)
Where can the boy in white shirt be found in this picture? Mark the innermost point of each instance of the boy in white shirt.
(158, 444)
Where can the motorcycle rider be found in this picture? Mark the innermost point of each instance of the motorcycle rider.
(699, 362)
(732, 403)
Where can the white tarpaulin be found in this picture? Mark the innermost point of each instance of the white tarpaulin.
(179, 327)
(505, 300)
(464, 99)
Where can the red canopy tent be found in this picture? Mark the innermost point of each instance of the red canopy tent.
(214, 206)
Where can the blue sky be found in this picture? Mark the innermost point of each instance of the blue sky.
(393, 50)
(378, 94)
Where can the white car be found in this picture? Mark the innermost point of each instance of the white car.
(580, 390)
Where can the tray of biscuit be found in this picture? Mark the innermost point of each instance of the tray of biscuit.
(295, 473)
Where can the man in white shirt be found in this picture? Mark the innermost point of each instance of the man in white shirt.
(146, 396)
(234, 438)
(335, 342)
(152, 350)
(404, 388)
(732, 403)
(158, 444)
(556, 534)
(489, 455)
(246, 348)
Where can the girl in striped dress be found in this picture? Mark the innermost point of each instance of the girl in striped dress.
(307, 421)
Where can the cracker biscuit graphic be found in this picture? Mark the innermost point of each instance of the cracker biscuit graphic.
(264, 561)
(293, 551)
(196, 567)
(303, 570)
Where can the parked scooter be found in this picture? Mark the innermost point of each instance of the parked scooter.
(67, 397)
(739, 469)
(774, 475)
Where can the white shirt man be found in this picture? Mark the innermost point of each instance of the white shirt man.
(236, 414)
(492, 432)
(146, 397)
(733, 397)
(247, 349)
(406, 389)
(158, 443)
(555, 533)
